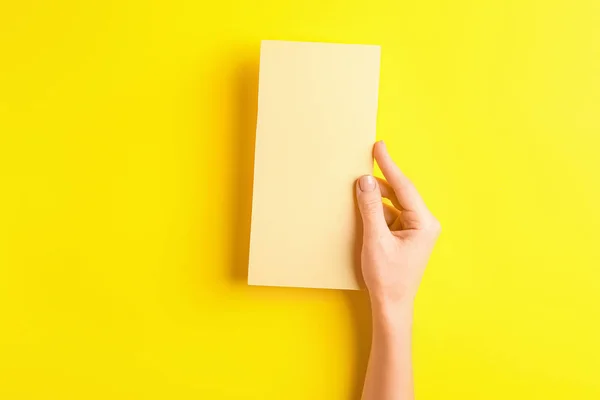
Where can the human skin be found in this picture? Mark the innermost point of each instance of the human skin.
(396, 245)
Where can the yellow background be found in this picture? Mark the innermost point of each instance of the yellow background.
(126, 134)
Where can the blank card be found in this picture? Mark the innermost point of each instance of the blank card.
(317, 111)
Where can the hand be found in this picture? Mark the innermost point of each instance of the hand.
(398, 240)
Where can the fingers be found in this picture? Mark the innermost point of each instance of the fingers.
(392, 217)
(392, 214)
(407, 196)
(368, 197)
(388, 192)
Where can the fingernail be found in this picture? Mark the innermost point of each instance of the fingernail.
(366, 183)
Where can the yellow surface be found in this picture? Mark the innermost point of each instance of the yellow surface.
(126, 132)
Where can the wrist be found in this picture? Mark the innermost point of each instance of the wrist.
(391, 304)
(392, 314)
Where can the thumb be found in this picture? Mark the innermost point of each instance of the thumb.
(368, 196)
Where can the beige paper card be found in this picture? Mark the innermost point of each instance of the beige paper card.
(317, 109)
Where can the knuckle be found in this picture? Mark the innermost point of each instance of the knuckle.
(435, 226)
(371, 206)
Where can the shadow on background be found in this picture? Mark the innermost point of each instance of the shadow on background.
(244, 135)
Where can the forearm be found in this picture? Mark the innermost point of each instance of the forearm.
(389, 373)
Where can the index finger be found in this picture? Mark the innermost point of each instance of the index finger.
(406, 193)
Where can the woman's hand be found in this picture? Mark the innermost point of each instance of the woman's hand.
(398, 240)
